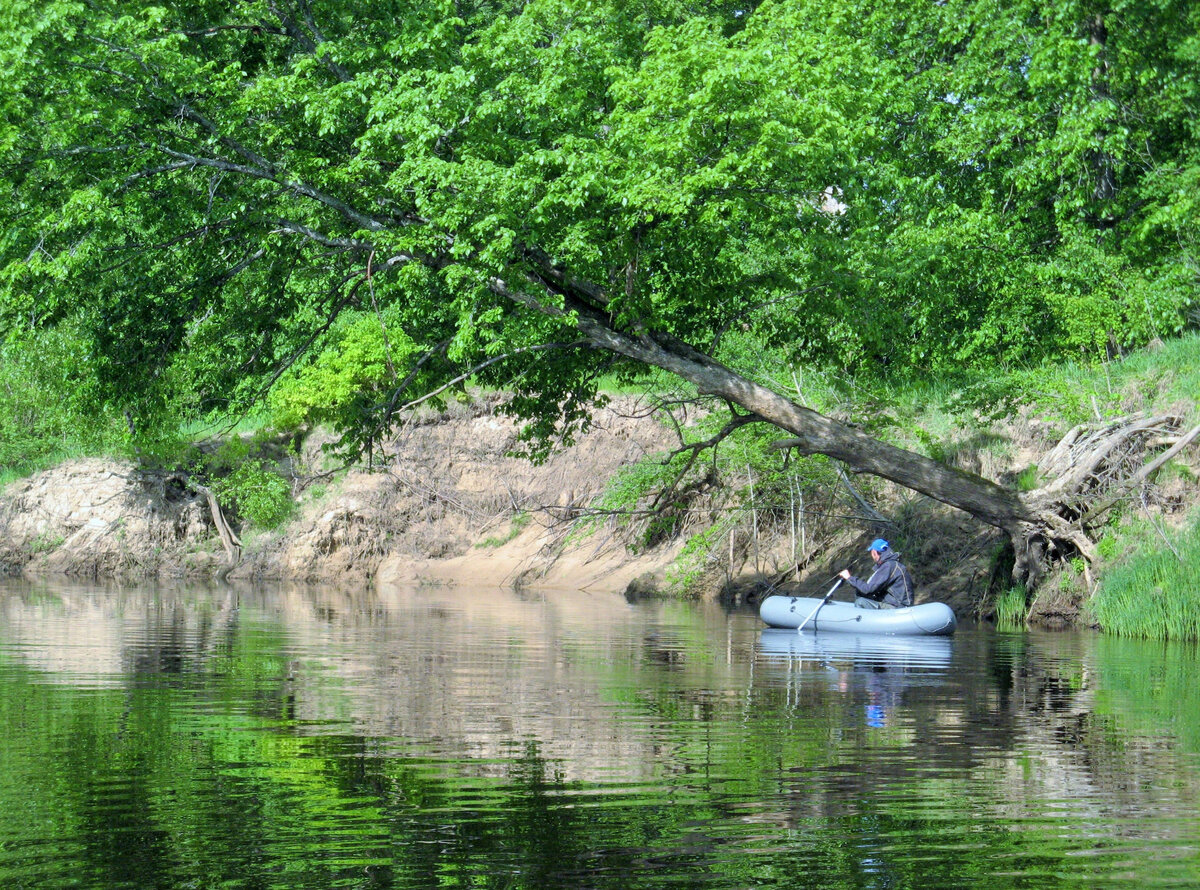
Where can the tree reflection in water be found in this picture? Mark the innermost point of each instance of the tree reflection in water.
(301, 738)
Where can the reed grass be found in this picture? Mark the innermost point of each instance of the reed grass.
(1154, 593)
(1012, 608)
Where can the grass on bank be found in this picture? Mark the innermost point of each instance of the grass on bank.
(1154, 591)
(930, 412)
(1012, 608)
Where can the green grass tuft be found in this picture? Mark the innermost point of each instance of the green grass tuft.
(1154, 593)
(1012, 608)
(1028, 479)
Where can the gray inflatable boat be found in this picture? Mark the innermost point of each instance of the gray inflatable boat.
(927, 619)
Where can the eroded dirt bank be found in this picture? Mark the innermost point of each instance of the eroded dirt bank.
(448, 506)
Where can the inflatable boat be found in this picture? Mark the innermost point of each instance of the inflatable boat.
(927, 619)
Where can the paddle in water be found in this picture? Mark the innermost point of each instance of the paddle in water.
(823, 601)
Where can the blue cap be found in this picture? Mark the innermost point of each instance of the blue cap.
(879, 544)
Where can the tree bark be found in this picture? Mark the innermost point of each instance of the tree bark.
(230, 541)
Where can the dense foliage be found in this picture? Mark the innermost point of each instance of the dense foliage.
(45, 412)
(207, 194)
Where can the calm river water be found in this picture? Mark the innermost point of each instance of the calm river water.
(296, 737)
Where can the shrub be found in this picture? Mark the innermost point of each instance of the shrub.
(247, 483)
(44, 410)
(259, 495)
(343, 386)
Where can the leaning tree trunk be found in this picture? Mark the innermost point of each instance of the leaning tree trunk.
(1085, 473)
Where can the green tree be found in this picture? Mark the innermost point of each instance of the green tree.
(544, 192)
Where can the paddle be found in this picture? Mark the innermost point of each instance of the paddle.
(823, 601)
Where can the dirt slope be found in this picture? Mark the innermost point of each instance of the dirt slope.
(446, 505)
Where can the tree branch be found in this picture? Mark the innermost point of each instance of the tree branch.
(216, 29)
(818, 434)
(362, 220)
(349, 244)
(737, 422)
(187, 111)
(1112, 498)
(541, 347)
(307, 42)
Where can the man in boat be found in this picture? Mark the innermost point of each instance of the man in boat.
(890, 585)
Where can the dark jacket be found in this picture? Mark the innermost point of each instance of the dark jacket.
(891, 582)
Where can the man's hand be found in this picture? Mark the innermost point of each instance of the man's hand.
(844, 574)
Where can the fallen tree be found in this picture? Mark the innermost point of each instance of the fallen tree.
(1086, 471)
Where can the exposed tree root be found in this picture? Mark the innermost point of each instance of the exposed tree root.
(229, 540)
(1090, 470)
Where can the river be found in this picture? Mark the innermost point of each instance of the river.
(292, 737)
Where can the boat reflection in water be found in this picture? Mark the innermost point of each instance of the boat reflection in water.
(881, 667)
(915, 651)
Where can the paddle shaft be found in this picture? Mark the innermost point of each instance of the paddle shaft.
(823, 601)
